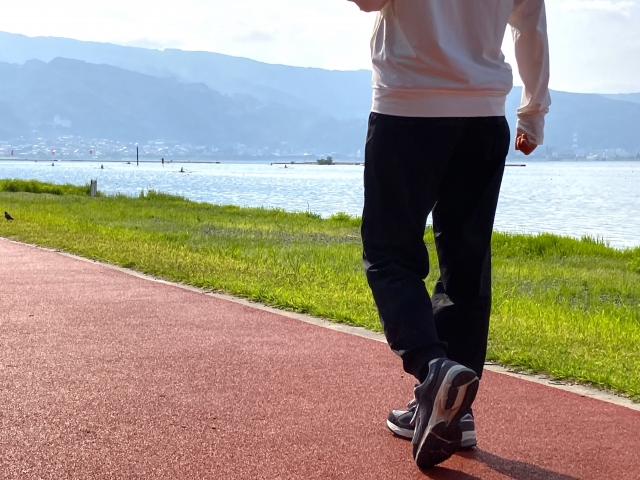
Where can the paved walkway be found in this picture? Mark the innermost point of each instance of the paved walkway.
(107, 375)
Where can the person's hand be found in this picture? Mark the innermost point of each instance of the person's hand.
(370, 5)
(523, 144)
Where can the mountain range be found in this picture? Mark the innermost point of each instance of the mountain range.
(52, 85)
(72, 97)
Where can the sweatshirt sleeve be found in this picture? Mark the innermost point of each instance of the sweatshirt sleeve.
(370, 5)
(529, 28)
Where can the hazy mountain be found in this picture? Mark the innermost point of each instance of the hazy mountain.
(342, 95)
(264, 103)
(599, 122)
(101, 101)
(625, 97)
(10, 125)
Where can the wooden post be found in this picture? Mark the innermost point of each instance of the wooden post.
(93, 189)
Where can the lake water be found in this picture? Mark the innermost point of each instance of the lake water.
(600, 199)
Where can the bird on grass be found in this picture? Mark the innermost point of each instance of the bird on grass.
(7, 216)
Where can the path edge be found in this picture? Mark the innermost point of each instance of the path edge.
(582, 390)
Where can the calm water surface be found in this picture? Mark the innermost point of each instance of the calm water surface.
(601, 199)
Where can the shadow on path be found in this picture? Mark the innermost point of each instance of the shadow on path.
(510, 468)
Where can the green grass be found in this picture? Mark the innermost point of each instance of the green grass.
(34, 186)
(570, 308)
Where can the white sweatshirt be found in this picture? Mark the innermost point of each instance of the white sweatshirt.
(443, 58)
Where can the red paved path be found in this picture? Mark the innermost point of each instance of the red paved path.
(106, 375)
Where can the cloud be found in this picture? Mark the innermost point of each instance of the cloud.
(256, 36)
(624, 7)
(595, 44)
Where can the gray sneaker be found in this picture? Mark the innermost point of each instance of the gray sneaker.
(443, 399)
(399, 422)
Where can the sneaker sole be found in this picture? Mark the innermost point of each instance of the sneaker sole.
(469, 439)
(443, 435)
(401, 432)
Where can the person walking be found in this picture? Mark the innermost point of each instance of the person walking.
(437, 143)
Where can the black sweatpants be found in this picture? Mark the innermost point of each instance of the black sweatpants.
(452, 168)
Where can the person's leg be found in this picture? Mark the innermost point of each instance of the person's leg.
(405, 159)
(463, 223)
(463, 219)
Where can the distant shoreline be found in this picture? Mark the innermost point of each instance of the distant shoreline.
(274, 160)
(296, 161)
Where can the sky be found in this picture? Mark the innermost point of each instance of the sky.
(595, 44)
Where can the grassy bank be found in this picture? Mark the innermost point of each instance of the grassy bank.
(561, 306)
(34, 186)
